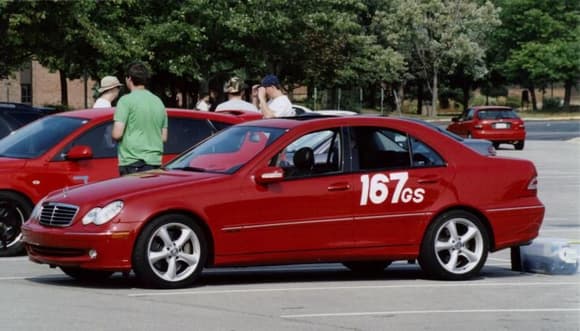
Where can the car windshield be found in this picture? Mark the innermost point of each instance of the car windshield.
(497, 114)
(227, 151)
(35, 139)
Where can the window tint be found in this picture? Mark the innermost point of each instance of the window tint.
(424, 156)
(378, 148)
(496, 114)
(183, 133)
(98, 139)
(4, 128)
(221, 125)
(35, 139)
(315, 153)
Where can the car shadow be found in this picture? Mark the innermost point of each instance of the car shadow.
(316, 273)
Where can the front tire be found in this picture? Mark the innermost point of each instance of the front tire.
(14, 211)
(170, 252)
(455, 246)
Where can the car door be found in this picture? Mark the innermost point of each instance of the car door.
(309, 210)
(64, 172)
(399, 180)
(463, 126)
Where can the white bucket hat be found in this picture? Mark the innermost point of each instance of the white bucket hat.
(109, 82)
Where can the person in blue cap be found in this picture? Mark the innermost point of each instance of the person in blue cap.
(270, 100)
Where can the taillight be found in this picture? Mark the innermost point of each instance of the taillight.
(533, 184)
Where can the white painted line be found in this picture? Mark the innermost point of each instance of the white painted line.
(342, 288)
(423, 312)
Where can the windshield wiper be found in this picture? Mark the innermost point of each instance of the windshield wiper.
(189, 169)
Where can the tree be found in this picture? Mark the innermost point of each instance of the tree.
(539, 42)
(442, 36)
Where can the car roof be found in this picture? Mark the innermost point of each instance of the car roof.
(100, 113)
(315, 120)
(492, 107)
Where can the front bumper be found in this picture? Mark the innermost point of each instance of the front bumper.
(107, 249)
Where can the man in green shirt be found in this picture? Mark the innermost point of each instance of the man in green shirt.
(140, 124)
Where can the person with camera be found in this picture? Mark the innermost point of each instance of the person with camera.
(270, 100)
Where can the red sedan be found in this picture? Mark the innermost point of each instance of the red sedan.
(500, 125)
(267, 192)
(74, 148)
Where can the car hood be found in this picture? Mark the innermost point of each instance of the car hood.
(123, 187)
(7, 163)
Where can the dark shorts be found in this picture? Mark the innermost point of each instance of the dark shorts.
(134, 167)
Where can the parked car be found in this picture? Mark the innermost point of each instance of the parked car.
(484, 147)
(26, 107)
(301, 110)
(388, 189)
(500, 125)
(76, 147)
(11, 119)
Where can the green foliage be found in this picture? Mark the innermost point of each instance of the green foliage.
(552, 104)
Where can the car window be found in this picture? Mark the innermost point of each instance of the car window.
(24, 117)
(220, 125)
(183, 133)
(496, 114)
(313, 154)
(469, 114)
(379, 148)
(98, 138)
(35, 139)
(227, 151)
(4, 128)
(424, 156)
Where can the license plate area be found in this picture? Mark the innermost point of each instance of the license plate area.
(501, 125)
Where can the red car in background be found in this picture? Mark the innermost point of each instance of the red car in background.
(500, 125)
(76, 147)
(266, 192)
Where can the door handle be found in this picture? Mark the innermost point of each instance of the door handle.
(339, 187)
(428, 180)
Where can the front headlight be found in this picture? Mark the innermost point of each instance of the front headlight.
(99, 216)
(35, 215)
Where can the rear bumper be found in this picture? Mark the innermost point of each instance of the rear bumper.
(500, 135)
(515, 225)
(110, 249)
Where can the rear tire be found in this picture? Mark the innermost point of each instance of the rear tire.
(454, 247)
(14, 211)
(519, 145)
(367, 267)
(170, 252)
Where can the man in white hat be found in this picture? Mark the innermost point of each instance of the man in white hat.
(234, 88)
(109, 90)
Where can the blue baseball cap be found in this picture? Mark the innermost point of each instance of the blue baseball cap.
(270, 80)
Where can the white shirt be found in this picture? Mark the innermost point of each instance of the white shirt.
(281, 106)
(202, 105)
(102, 103)
(236, 104)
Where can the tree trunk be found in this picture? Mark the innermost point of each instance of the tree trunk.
(401, 98)
(433, 110)
(63, 89)
(419, 97)
(466, 87)
(533, 96)
(567, 93)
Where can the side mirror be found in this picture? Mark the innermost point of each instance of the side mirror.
(79, 152)
(269, 175)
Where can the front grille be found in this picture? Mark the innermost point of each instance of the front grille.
(56, 251)
(58, 214)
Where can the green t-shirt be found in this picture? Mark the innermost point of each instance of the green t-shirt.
(144, 116)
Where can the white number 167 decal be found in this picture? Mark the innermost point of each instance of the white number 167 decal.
(376, 190)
